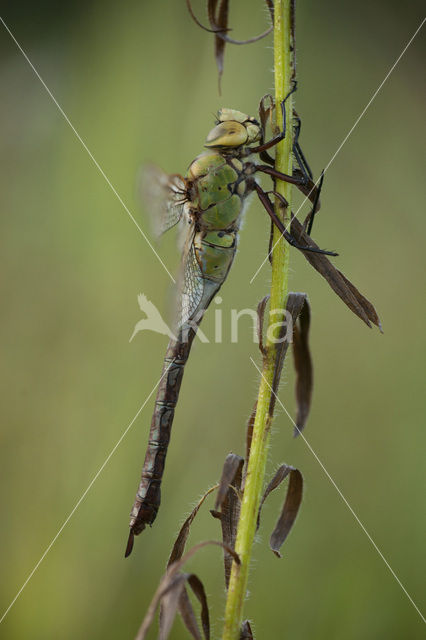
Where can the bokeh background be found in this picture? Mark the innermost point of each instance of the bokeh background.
(138, 81)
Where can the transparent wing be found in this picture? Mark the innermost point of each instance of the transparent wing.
(164, 196)
(192, 282)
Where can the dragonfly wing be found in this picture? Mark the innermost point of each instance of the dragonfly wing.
(164, 196)
(192, 282)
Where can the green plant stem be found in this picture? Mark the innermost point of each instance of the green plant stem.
(283, 70)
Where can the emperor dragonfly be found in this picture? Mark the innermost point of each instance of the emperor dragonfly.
(210, 201)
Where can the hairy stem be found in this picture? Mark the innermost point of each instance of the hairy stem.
(284, 76)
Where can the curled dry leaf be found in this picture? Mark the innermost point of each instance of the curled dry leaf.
(246, 632)
(291, 505)
(184, 604)
(186, 610)
(169, 582)
(280, 475)
(214, 19)
(231, 469)
(173, 580)
(228, 502)
(218, 13)
(260, 321)
(303, 366)
(187, 613)
(169, 605)
(249, 435)
(309, 189)
(179, 545)
(294, 305)
(219, 43)
(350, 295)
(289, 511)
(199, 591)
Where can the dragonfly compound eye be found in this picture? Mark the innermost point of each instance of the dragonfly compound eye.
(227, 134)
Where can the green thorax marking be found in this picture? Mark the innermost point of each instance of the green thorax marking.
(217, 204)
(213, 181)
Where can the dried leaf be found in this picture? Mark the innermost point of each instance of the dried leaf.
(187, 613)
(169, 582)
(303, 366)
(199, 591)
(220, 25)
(177, 598)
(172, 580)
(232, 467)
(309, 189)
(337, 281)
(179, 563)
(294, 305)
(265, 112)
(246, 632)
(219, 43)
(221, 33)
(249, 435)
(289, 511)
(229, 504)
(280, 475)
(260, 321)
(291, 505)
(179, 545)
(366, 304)
(169, 605)
(218, 12)
(195, 19)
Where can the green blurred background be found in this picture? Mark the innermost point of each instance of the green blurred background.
(138, 81)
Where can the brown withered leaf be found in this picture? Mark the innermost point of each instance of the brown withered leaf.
(291, 505)
(221, 33)
(249, 435)
(188, 616)
(219, 43)
(265, 112)
(180, 542)
(231, 469)
(199, 591)
(260, 322)
(308, 188)
(169, 605)
(218, 13)
(195, 19)
(289, 511)
(246, 632)
(169, 582)
(350, 295)
(228, 502)
(176, 566)
(280, 475)
(303, 366)
(294, 305)
(172, 580)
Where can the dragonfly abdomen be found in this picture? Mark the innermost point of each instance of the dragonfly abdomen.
(148, 496)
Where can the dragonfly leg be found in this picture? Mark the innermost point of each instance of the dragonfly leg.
(271, 241)
(264, 198)
(304, 167)
(315, 207)
(298, 180)
(299, 155)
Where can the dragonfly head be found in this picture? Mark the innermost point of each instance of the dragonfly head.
(233, 129)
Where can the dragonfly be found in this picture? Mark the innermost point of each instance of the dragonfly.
(208, 202)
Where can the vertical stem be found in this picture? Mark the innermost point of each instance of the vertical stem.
(284, 75)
